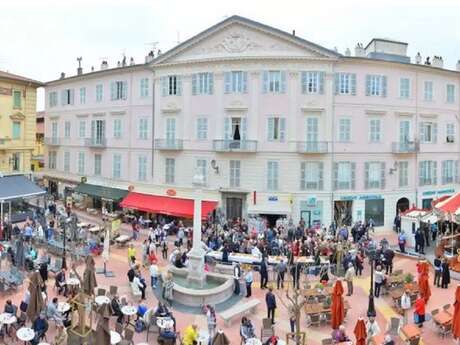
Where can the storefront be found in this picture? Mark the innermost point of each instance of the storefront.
(97, 197)
(429, 195)
(311, 211)
(352, 208)
(271, 206)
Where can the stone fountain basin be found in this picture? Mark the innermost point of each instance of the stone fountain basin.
(196, 297)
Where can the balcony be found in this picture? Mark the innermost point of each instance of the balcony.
(235, 145)
(404, 147)
(97, 143)
(53, 141)
(312, 147)
(169, 144)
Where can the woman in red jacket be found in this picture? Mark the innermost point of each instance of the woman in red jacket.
(419, 311)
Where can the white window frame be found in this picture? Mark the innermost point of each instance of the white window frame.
(67, 129)
(99, 93)
(143, 128)
(428, 133)
(67, 161)
(82, 129)
(53, 99)
(97, 164)
(312, 82)
(142, 168)
(170, 170)
(311, 175)
(202, 128)
(276, 129)
(344, 132)
(428, 91)
(450, 133)
(403, 173)
(448, 171)
(202, 167)
(203, 83)
(52, 159)
(144, 87)
(272, 175)
(235, 173)
(81, 163)
(82, 95)
(404, 89)
(235, 82)
(375, 130)
(117, 128)
(450, 93)
(116, 166)
(427, 173)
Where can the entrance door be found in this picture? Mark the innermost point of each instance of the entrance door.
(402, 205)
(234, 208)
(306, 217)
(343, 212)
(375, 209)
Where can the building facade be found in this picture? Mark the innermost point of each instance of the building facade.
(280, 126)
(38, 160)
(17, 122)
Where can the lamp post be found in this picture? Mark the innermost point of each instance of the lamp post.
(371, 306)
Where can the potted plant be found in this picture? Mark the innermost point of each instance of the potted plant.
(319, 287)
(408, 280)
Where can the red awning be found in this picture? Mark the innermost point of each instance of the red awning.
(165, 205)
(449, 205)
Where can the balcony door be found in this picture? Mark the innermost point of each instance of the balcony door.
(54, 129)
(404, 132)
(311, 131)
(98, 131)
(170, 130)
(235, 131)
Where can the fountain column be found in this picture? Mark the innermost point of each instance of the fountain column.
(196, 273)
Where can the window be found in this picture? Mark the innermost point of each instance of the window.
(142, 168)
(53, 99)
(67, 97)
(404, 131)
(344, 175)
(81, 163)
(374, 175)
(428, 132)
(448, 175)
(143, 128)
(172, 85)
(99, 92)
(272, 175)
(202, 128)
(312, 82)
(97, 164)
(117, 128)
(345, 84)
(16, 130)
(428, 94)
(118, 90)
(52, 159)
(450, 93)
(235, 173)
(235, 128)
(98, 131)
(236, 82)
(403, 171)
(116, 168)
(274, 81)
(82, 129)
(276, 129)
(16, 161)
(376, 85)
(54, 129)
(311, 130)
(202, 168)
(17, 97)
(374, 130)
(170, 170)
(170, 129)
(66, 161)
(67, 129)
(427, 173)
(344, 129)
(82, 95)
(311, 176)
(450, 132)
(202, 84)
(144, 87)
(404, 88)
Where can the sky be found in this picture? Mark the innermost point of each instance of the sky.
(42, 38)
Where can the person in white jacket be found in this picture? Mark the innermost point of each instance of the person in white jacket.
(405, 306)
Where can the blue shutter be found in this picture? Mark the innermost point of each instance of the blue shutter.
(443, 171)
(435, 172)
(245, 82)
(384, 86)
(420, 174)
(302, 176)
(336, 175)
(210, 83)
(228, 82)
(178, 85)
(113, 90)
(283, 82)
(164, 86)
(366, 175)
(382, 175)
(194, 84)
(265, 81)
(353, 84)
(421, 132)
(270, 128)
(353, 175)
(320, 175)
(227, 128)
(303, 82)
(63, 97)
(72, 96)
(456, 177)
(434, 135)
(321, 83)
(244, 129)
(337, 83)
(282, 129)
(368, 85)
(124, 90)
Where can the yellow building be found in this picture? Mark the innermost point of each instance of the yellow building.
(18, 101)
(38, 153)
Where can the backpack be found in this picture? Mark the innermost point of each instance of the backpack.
(139, 326)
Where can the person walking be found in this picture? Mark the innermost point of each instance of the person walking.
(263, 273)
(437, 271)
(281, 269)
(270, 300)
(419, 311)
(389, 256)
(212, 321)
(349, 275)
(445, 275)
(153, 275)
(379, 280)
(236, 278)
(249, 278)
(402, 241)
(405, 306)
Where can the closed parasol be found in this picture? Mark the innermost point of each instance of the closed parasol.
(89, 276)
(456, 316)
(36, 302)
(360, 332)
(103, 328)
(337, 307)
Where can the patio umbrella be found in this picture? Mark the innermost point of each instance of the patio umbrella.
(89, 276)
(36, 302)
(360, 332)
(456, 316)
(103, 328)
(337, 307)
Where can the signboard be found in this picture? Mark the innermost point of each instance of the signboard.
(437, 192)
(311, 201)
(360, 197)
(272, 198)
(171, 192)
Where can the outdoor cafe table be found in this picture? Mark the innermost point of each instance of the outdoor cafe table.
(442, 318)
(396, 294)
(253, 341)
(411, 331)
(115, 337)
(165, 322)
(129, 311)
(25, 334)
(100, 300)
(7, 319)
(63, 307)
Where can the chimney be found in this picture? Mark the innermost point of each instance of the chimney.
(458, 65)
(347, 52)
(293, 32)
(104, 65)
(438, 62)
(62, 75)
(131, 62)
(149, 57)
(123, 63)
(79, 69)
(418, 58)
(359, 50)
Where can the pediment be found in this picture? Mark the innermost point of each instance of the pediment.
(239, 37)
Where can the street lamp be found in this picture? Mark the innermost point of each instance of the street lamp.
(371, 306)
(64, 221)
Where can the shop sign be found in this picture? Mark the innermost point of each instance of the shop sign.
(311, 201)
(272, 198)
(442, 191)
(171, 192)
(361, 197)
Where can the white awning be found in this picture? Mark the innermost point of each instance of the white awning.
(431, 217)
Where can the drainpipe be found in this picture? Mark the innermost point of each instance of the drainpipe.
(153, 122)
(416, 137)
(332, 144)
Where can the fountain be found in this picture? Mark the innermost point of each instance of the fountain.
(193, 286)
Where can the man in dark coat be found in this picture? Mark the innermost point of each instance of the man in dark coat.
(419, 242)
(263, 274)
(270, 299)
(445, 275)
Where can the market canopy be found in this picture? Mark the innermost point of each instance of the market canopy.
(17, 187)
(102, 192)
(171, 206)
(449, 205)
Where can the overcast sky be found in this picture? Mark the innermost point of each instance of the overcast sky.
(42, 38)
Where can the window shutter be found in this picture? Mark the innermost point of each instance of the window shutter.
(194, 84)
(353, 84)
(435, 171)
(420, 174)
(283, 82)
(113, 90)
(164, 86)
(366, 175)
(422, 132)
(456, 179)
(337, 83)
(124, 90)
(302, 176)
(384, 86)
(382, 175)
(321, 83)
(228, 82)
(178, 85)
(336, 175)
(93, 128)
(282, 129)
(63, 97)
(244, 129)
(353, 175)
(265, 81)
(320, 175)
(444, 171)
(270, 128)
(210, 83)
(368, 85)
(435, 133)
(303, 82)
(245, 82)
(72, 96)
(227, 128)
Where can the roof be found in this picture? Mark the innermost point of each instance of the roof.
(247, 22)
(18, 187)
(102, 192)
(15, 77)
(385, 40)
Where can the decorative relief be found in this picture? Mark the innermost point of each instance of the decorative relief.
(170, 108)
(18, 116)
(236, 105)
(237, 43)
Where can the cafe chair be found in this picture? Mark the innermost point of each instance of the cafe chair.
(113, 290)
(394, 326)
(128, 339)
(267, 330)
(446, 330)
(414, 341)
(446, 307)
(314, 320)
(101, 292)
(119, 328)
(327, 341)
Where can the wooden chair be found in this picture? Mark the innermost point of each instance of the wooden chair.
(414, 341)
(327, 341)
(267, 330)
(101, 292)
(394, 326)
(113, 290)
(314, 320)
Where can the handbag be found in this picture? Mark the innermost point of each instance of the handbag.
(23, 306)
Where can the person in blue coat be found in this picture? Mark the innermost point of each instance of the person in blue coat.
(270, 300)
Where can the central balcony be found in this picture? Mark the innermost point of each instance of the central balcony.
(97, 143)
(235, 145)
(169, 144)
(312, 147)
(52, 141)
(404, 147)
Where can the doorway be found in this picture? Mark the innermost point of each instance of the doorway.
(375, 210)
(343, 212)
(402, 205)
(234, 208)
(306, 217)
